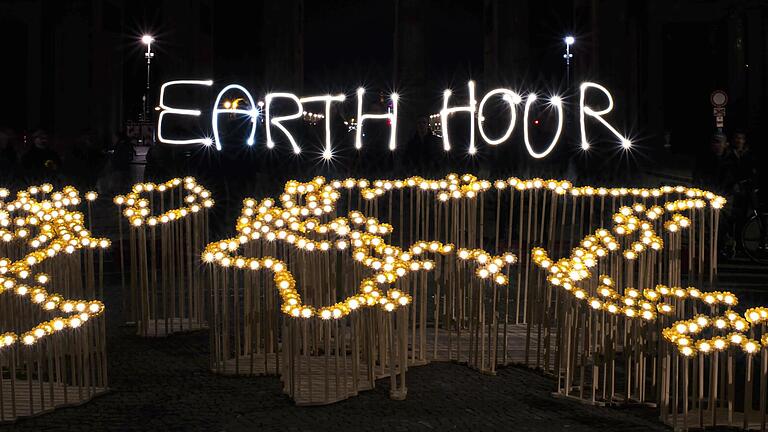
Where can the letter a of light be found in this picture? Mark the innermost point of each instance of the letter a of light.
(558, 104)
(391, 116)
(179, 111)
(328, 99)
(585, 110)
(445, 112)
(276, 121)
(253, 113)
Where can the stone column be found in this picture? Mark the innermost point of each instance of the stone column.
(282, 33)
(409, 71)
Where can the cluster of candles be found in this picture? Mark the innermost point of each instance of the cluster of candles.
(138, 210)
(296, 219)
(633, 303)
(731, 327)
(627, 220)
(80, 310)
(49, 228)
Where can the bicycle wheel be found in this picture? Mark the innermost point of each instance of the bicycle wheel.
(753, 239)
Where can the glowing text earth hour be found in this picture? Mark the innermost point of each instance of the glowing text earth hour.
(277, 124)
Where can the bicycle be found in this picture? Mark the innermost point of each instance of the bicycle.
(754, 234)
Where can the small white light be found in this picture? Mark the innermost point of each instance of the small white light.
(569, 40)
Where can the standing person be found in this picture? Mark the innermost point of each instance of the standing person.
(86, 163)
(714, 168)
(40, 162)
(423, 153)
(123, 153)
(745, 179)
(744, 166)
(8, 157)
(161, 163)
(714, 172)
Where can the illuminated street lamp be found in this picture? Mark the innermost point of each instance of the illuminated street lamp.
(569, 40)
(147, 40)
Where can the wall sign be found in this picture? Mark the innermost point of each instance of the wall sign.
(719, 99)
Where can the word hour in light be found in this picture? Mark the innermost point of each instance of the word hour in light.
(475, 114)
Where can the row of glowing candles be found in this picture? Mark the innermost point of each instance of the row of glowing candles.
(684, 333)
(468, 186)
(138, 210)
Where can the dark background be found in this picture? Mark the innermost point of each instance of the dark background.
(75, 66)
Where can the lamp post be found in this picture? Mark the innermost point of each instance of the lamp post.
(147, 40)
(569, 40)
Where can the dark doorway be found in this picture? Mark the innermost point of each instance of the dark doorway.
(695, 65)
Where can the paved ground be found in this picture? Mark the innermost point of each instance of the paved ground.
(164, 385)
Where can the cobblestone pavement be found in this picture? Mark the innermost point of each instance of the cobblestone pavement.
(164, 384)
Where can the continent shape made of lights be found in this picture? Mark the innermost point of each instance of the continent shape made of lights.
(59, 230)
(52, 347)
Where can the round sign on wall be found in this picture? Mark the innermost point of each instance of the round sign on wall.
(718, 98)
